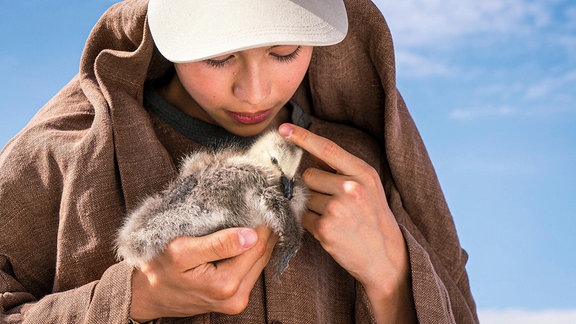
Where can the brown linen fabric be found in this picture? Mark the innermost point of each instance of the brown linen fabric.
(92, 153)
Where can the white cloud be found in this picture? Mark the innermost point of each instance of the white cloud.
(426, 31)
(570, 15)
(531, 98)
(416, 23)
(567, 41)
(513, 58)
(526, 110)
(419, 66)
(483, 112)
(515, 316)
(497, 165)
(550, 85)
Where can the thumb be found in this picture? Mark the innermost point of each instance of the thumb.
(226, 243)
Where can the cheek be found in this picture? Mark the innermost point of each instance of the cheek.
(194, 82)
(300, 67)
(291, 78)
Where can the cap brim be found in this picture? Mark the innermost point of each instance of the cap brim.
(187, 31)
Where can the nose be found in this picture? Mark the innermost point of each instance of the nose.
(252, 84)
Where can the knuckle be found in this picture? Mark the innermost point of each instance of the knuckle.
(351, 187)
(236, 305)
(323, 229)
(174, 250)
(370, 173)
(308, 174)
(302, 137)
(329, 148)
(224, 289)
(218, 247)
(260, 249)
(333, 207)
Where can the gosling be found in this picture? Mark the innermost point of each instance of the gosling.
(223, 188)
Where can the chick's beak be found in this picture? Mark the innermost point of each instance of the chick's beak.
(287, 186)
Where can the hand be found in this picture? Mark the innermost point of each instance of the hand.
(197, 275)
(350, 217)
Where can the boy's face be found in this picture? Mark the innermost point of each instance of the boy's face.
(244, 92)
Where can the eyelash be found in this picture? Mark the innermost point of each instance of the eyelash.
(281, 58)
(290, 57)
(217, 63)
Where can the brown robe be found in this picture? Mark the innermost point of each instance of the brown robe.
(92, 153)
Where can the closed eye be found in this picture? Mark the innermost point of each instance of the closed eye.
(276, 52)
(288, 57)
(218, 62)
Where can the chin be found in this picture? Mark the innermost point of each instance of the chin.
(249, 130)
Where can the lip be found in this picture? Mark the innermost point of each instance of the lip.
(249, 119)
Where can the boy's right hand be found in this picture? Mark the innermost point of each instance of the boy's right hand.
(196, 275)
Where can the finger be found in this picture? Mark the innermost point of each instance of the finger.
(317, 202)
(323, 165)
(324, 181)
(310, 221)
(223, 244)
(322, 148)
(243, 270)
(235, 278)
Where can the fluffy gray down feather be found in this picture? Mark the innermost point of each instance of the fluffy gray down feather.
(219, 189)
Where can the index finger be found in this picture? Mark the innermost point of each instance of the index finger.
(322, 148)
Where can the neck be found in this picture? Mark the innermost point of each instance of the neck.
(177, 96)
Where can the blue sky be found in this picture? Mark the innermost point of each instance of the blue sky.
(492, 87)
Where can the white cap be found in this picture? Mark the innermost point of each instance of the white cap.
(194, 30)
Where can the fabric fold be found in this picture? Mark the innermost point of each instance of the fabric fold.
(92, 153)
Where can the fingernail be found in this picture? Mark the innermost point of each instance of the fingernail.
(247, 238)
(285, 130)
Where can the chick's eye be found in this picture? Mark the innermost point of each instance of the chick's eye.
(274, 161)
